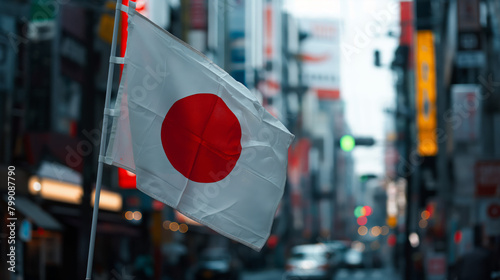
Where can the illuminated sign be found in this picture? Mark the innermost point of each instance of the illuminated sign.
(126, 179)
(426, 94)
(71, 193)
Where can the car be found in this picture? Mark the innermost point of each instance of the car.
(312, 261)
(338, 249)
(354, 258)
(216, 263)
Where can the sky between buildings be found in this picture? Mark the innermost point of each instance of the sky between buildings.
(366, 90)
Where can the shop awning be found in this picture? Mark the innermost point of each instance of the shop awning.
(36, 214)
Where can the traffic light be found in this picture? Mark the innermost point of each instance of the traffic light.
(348, 142)
(362, 211)
(358, 211)
(376, 58)
(364, 178)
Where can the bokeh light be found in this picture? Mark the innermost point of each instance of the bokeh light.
(457, 237)
(425, 215)
(391, 240)
(422, 223)
(174, 226)
(166, 224)
(392, 221)
(385, 230)
(129, 215)
(362, 220)
(362, 230)
(137, 215)
(375, 231)
(357, 211)
(368, 210)
(414, 239)
(183, 228)
(358, 246)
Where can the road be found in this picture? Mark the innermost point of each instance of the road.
(342, 274)
(366, 274)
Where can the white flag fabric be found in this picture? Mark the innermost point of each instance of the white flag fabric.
(197, 140)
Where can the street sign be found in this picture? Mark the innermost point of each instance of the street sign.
(487, 177)
(426, 94)
(468, 13)
(320, 57)
(493, 210)
(436, 266)
(470, 59)
(489, 212)
(466, 105)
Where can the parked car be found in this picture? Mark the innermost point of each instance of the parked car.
(339, 249)
(313, 261)
(354, 258)
(216, 263)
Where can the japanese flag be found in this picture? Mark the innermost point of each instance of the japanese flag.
(197, 140)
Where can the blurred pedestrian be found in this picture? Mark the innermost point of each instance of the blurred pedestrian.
(476, 264)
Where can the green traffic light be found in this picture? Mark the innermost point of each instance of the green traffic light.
(347, 143)
(358, 211)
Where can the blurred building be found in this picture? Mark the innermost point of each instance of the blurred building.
(447, 125)
(54, 60)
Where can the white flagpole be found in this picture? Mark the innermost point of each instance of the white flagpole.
(109, 87)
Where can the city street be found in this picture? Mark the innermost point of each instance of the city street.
(250, 139)
(366, 274)
(342, 274)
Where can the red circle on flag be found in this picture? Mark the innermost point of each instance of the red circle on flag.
(201, 138)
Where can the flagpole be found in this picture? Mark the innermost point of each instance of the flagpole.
(109, 87)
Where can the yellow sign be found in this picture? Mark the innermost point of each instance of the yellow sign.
(426, 94)
(106, 23)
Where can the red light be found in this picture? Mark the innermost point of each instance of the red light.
(391, 240)
(272, 241)
(430, 209)
(73, 128)
(157, 206)
(126, 179)
(458, 236)
(133, 201)
(362, 220)
(368, 210)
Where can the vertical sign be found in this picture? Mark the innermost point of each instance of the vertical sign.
(468, 15)
(466, 107)
(426, 94)
(435, 266)
(487, 178)
(270, 85)
(489, 215)
(320, 55)
(470, 53)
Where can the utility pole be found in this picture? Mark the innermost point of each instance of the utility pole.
(87, 122)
